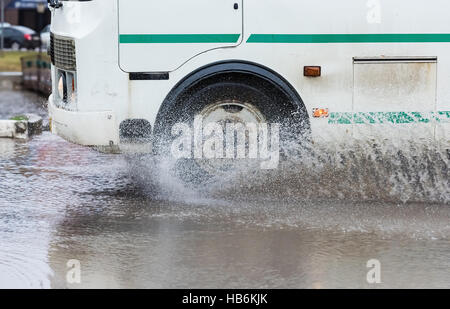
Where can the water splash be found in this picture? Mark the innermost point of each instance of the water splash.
(392, 172)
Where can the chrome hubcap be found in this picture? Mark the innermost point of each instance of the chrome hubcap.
(224, 113)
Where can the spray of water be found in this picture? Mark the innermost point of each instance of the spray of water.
(392, 172)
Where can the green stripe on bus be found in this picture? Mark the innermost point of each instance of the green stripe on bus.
(388, 117)
(350, 38)
(286, 38)
(178, 38)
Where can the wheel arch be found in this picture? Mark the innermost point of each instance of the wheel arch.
(228, 67)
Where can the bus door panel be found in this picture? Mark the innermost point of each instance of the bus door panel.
(159, 36)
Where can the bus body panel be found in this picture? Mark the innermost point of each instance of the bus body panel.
(285, 36)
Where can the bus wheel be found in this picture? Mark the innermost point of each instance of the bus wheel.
(230, 112)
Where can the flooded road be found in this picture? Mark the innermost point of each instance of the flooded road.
(130, 225)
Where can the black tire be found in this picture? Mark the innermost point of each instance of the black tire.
(269, 100)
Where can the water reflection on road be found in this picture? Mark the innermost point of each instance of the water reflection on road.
(59, 202)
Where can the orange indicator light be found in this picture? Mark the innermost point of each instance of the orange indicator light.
(312, 71)
(320, 112)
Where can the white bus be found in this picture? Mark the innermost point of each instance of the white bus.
(335, 71)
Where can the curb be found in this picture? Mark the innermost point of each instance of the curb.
(21, 129)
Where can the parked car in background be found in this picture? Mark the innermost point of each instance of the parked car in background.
(18, 37)
(45, 37)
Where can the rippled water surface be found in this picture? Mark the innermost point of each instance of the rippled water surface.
(14, 103)
(131, 224)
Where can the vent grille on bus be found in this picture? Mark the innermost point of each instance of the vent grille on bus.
(62, 52)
